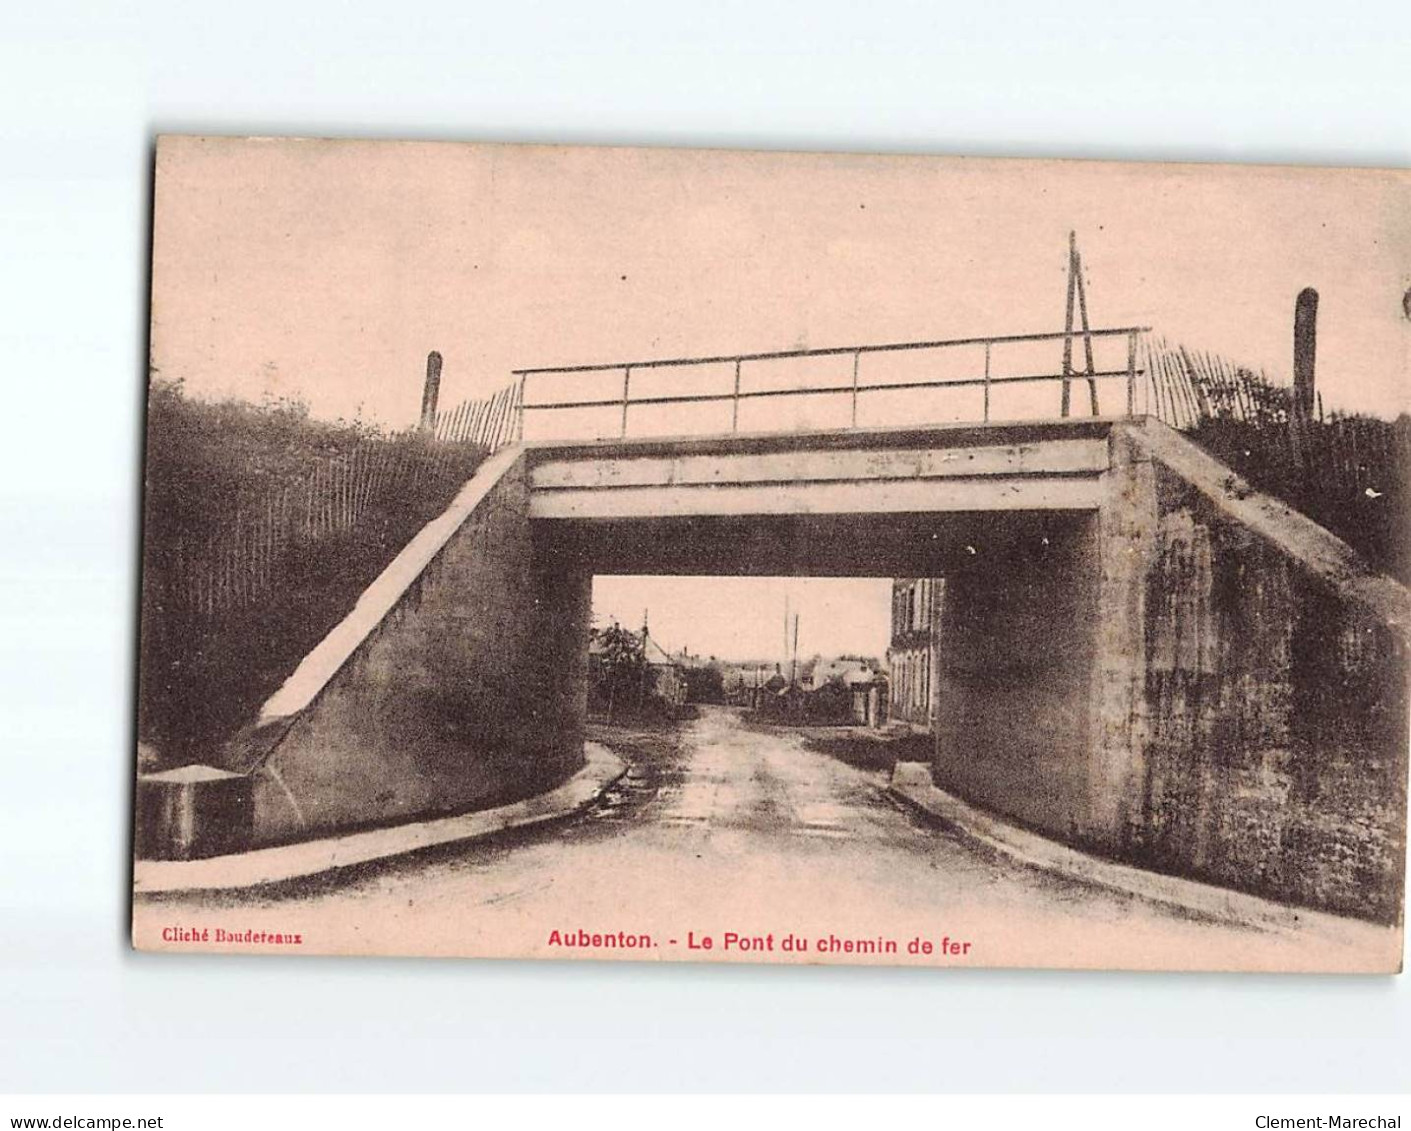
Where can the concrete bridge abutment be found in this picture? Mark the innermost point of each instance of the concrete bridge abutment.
(1018, 639)
(1195, 679)
(1041, 703)
(456, 683)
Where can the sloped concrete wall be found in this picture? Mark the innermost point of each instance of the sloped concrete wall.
(463, 695)
(1276, 710)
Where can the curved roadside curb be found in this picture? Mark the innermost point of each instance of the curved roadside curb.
(315, 857)
(911, 784)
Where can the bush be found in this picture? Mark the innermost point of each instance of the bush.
(831, 703)
(1349, 474)
(704, 684)
(261, 528)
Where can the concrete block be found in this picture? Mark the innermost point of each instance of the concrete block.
(191, 812)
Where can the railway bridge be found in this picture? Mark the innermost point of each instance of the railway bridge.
(1141, 656)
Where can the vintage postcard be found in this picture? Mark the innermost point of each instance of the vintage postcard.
(668, 555)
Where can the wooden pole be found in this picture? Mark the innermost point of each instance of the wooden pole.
(1068, 322)
(1077, 268)
(430, 391)
(1305, 349)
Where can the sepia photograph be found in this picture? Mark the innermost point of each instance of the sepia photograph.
(662, 565)
(704, 555)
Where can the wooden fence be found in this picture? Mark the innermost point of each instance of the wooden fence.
(490, 423)
(1189, 387)
(1194, 390)
(238, 564)
(1351, 473)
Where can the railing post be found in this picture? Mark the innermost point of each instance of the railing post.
(856, 358)
(1131, 373)
(626, 393)
(735, 405)
(987, 381)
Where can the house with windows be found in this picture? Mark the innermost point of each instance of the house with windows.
(914, 654)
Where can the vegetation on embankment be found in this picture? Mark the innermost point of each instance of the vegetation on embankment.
(1348, 472)
(261, 527)
(1351, 475)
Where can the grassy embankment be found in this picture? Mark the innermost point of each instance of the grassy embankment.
(261, 527)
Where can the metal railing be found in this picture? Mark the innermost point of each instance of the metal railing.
(1065, 376)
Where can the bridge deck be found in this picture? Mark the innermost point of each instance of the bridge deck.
(1050, 465)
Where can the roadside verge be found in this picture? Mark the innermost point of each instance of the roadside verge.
(315, 857)
(911, 784)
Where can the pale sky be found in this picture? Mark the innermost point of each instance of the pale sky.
(742, 618)
(327, 270)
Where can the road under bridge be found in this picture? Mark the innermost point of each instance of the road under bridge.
(1142, 657)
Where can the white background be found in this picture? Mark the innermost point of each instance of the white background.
(83, 89)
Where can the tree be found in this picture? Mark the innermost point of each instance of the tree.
(705, 685)
(624, 665)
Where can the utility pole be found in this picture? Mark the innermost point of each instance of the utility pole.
(1077, 290)
(646, 667)
(786, 626)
